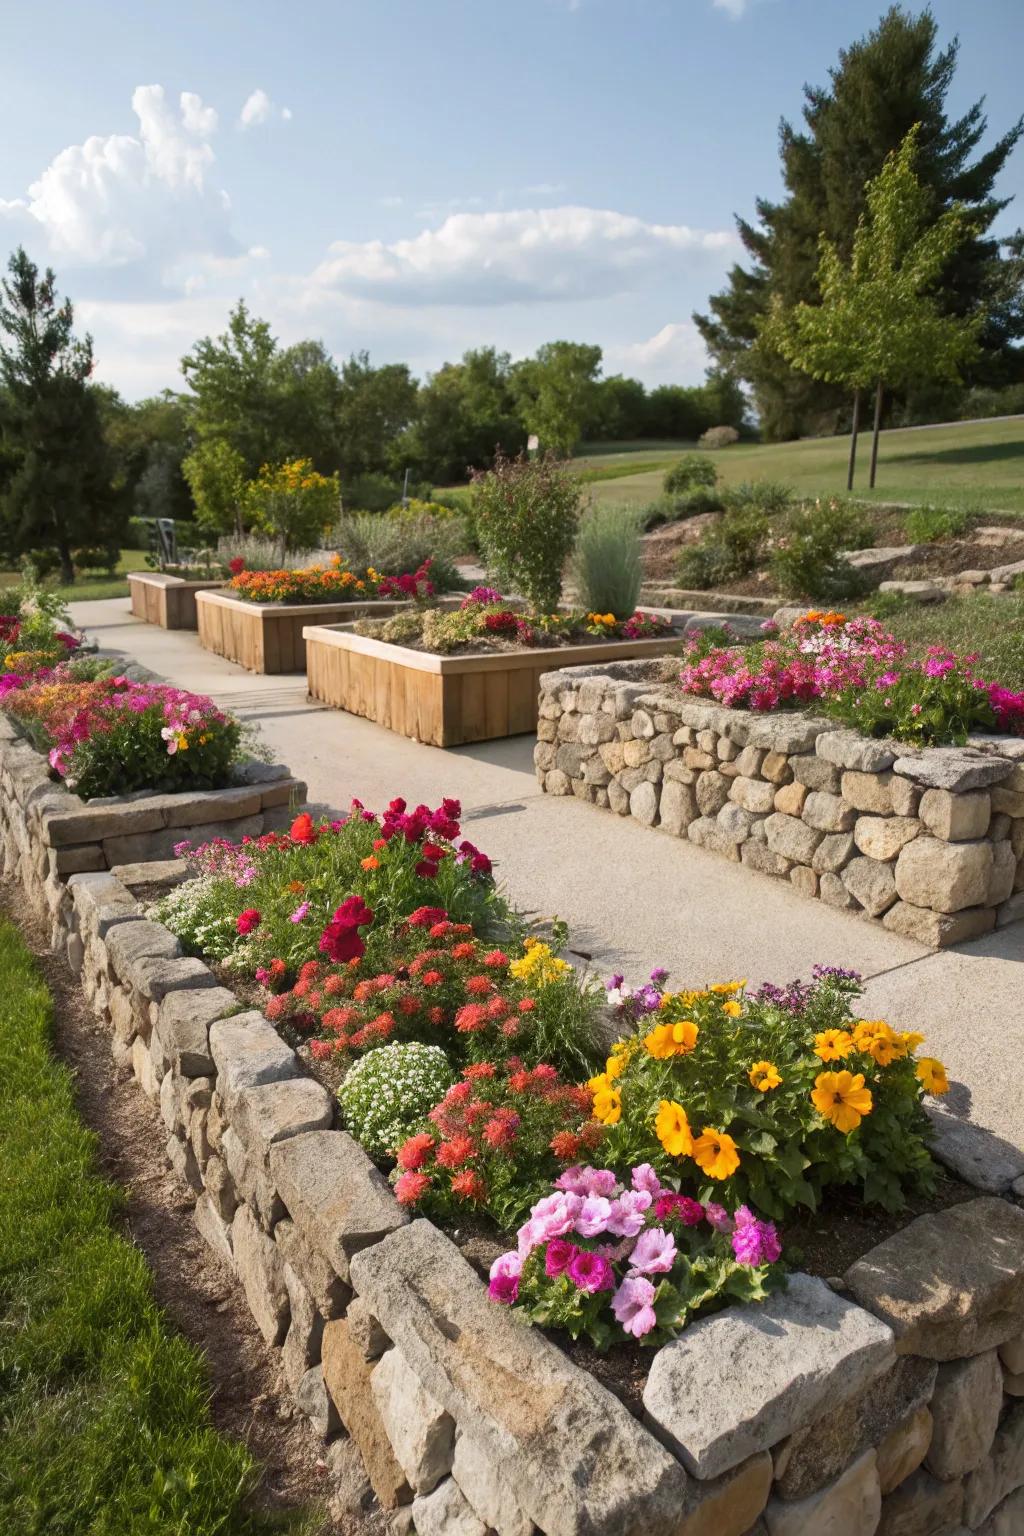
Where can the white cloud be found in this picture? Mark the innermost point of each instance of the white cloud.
(258, 108)
(520, 255)
(733, 8)
(676, 354)
(122, 199)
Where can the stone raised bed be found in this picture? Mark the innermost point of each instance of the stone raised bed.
(929, 842)
(444, 701)
(888, 1402)
(169, 601)
(268, 637)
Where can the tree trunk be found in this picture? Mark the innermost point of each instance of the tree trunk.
(853, 438)
(879, 391)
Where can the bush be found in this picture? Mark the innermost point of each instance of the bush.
(692, 471)
(807, 559)
(391, 545)
(260, 554)
(376, 492)
(96, 558)
(771, 496)
(606, 562)
(770, 1099)
(526, 513)
(387, 1092)
(927, 525)
(727, 552)
(719, 437)
(292, 503)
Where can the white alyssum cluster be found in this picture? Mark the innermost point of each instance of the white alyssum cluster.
(389, 1091)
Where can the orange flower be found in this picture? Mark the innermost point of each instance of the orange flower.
(666, 1040)
(716, 1154)
(369, 862)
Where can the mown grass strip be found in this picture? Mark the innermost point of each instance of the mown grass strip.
(105, 1427)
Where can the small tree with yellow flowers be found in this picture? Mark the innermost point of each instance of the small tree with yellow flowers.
(293, 503)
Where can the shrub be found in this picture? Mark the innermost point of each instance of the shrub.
(395, 544)
(259, 554)
(770, 496)
(97, 558)
(807, 559)
(728, 551)
(292, 503)
(639, 1262)
(719, 437)
(372, 492)
(526, 513)
(386, 1093)
(693, 471)
(927, 525)
(770, 1099)
(606, 562)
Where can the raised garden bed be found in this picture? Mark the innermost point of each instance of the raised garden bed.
(444, 701)
(888, 1401)
(268, 637)
(928, 841)
(169, 601)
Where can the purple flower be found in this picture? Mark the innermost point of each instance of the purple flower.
(504, 1278)
(627, 1213)
(644, 1177)
(754, 1242)
(718, 1217)
(593, 1216)
(558, 1256)
(299, 913)
(615, 982)
(633, 1307)
(591, 1272)
(659, 976)
(654, 1253)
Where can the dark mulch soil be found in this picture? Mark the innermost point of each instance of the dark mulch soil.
(250, 1400)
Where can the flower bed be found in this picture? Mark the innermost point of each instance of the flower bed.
(800, 1409)
(170, 601)
(482, 685)
(929, 840)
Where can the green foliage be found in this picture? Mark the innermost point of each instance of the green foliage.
(691, 472)
(389, 1090)
(215, 473)
(555, 393)
(806, 557)
(728, 551)
(526, 514)
(105, 1406)
(465, 412)
(990, 627)
(770, 496)
(261, 554)
(374, 407)
(293, 504)
(928, 525)
(391, 545)
(606, 562)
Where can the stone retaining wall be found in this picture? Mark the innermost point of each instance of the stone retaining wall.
(885, 1402)
(931, 841)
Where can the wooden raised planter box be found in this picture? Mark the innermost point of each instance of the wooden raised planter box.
(169, 601)
(268, 637)
(445, 701)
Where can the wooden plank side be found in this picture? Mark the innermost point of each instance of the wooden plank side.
(523, 700)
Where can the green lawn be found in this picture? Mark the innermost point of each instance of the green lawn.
(973, 463)
(991, 626)
(105, 1427)
(93, 584)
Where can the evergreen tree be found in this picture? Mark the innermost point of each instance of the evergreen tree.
(883, 84)
(57, 493)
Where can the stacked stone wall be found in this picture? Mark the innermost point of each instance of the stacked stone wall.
(928, 841)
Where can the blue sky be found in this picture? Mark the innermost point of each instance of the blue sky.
(419, 176)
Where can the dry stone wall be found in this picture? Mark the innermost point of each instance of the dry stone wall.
(889, 1401)
(928, 841)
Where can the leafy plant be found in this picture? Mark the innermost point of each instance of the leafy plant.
(606, 562)
(526, 513)
(728, 551)
(292, 503)
(692, 472)
(928, 525)
(386, 1093)
(807, 558)
(394, 544)
(772, 497)
(719, 437)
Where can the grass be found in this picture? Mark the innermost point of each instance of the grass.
(992, 627)
(979, 464)
(105, 1427)
(91, 584)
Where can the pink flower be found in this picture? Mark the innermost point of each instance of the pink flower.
(299, 913)
(593, 1216)
(633, 1307)
(249, 920)
(754, 1242)
(644, 1177)
(587, 1181)
(504, 1278)
(557, 1257)
(654, 1252)
(627, 1213)
(591, 1272)
(718, 1217)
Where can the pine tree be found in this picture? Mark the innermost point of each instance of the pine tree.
(883, 84)
(57, 493)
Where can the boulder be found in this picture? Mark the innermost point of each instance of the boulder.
(944, 876)
(904, 1448)
(422, 1434)
(965, 1411)
(852, 751)
(882, 837)
(791, 837)
(851, 1506)
(1002, 1474)
(955, 818)
(334, 1194)
(871, 882)
(261, 1272)
(347, 1377)
(922, 1506)
(938, 929)
(272, 1112)
(248, 1052)
(446, 1512)
(956, 769)
(868, 792)
(833, 853)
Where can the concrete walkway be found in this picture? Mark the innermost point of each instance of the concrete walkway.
(633, 899)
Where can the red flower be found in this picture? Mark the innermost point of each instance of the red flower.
(334, 985)
(441, 930)
(500, 1131)
(410, 1187)
(337, 1019)
(496, 960)
(248, 921)
(320, 1049)
(478, 1069)
(479, 986)
(236, 566)
(277, 1007)
(408, 1005)
(464, 951)
(510, 1029)
(303, 829)
(340, 939)
(432, 978)
(453, 1153)
(470, 1018)
(566, 1146)
(469, 1185)
(412, 1154)
(423, 917)
(527, 1004)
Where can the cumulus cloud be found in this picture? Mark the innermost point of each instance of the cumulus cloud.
(258, 108)
(122, 199)
(733, 8)
(675, 354)
(519, 255)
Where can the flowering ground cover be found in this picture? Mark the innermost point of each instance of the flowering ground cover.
(856, 672)
(333, 583)
(465, 1053)
(486, 621)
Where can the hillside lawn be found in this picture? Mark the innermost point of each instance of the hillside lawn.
(91, 584)
(975, 464)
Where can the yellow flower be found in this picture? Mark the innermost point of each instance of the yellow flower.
(725, 988)
(833, 1044)
(842, 1098)
(732, 1009)
(933, 1075)
(608, 1106)
(887, 1049)
(911, 1040)
(600, 1084)
(614, 1065)
(666, 1040)
(673, 1129)
(764, 1075)
(538, 967)
(715, 1152)
(867, 1031)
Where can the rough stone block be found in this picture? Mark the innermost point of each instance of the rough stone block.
(868, 792)
(735, 822)
(944, 876)
(265, 1115)
(248, 1052)
(833, 853)
(421, 1432)
(1002, 1474)
(183, 1163)
(938, 929)
(330, 1294)
(347, 1376)
(882, 837)
(922, 1505)
(791, 837)
(965, 1410)
(804, 880)
(851, 1506)
(760, 857)
(261, 1271)
(872, 883)
(520, 1394)
(706, 833)
(130, 943)
(738, 1382)
(154, 977)
(301, 1348)
(790, 799)
(677, 807)
(446, 1512)
(712, 792)
(220, 1187)
(334, 1194)
(643, 804)
(215, 1231)
(957, 769)
(1003, 876)
(955, 818)
(815, 773)
(827, 813)
(489, 1488)
(313, 1400)
(951, 1283)
(904, 1448)
(182, 1021)
(973, 1153)
(366, 1330)
(854, 752)
(755, 795)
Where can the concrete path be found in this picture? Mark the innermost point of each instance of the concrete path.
(633, 898)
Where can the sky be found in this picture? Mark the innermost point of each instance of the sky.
(415, 177)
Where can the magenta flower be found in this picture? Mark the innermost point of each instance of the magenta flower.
(633, 1306)
(559, 1254)
(299, 913)
(718, 1217)
(654, 1252)
(754, 1242)
(588, 1181)
(504, 1278)
(591, 1272)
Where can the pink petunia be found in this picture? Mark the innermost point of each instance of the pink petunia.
(633, 1306)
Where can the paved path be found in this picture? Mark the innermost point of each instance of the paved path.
(633, 898)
